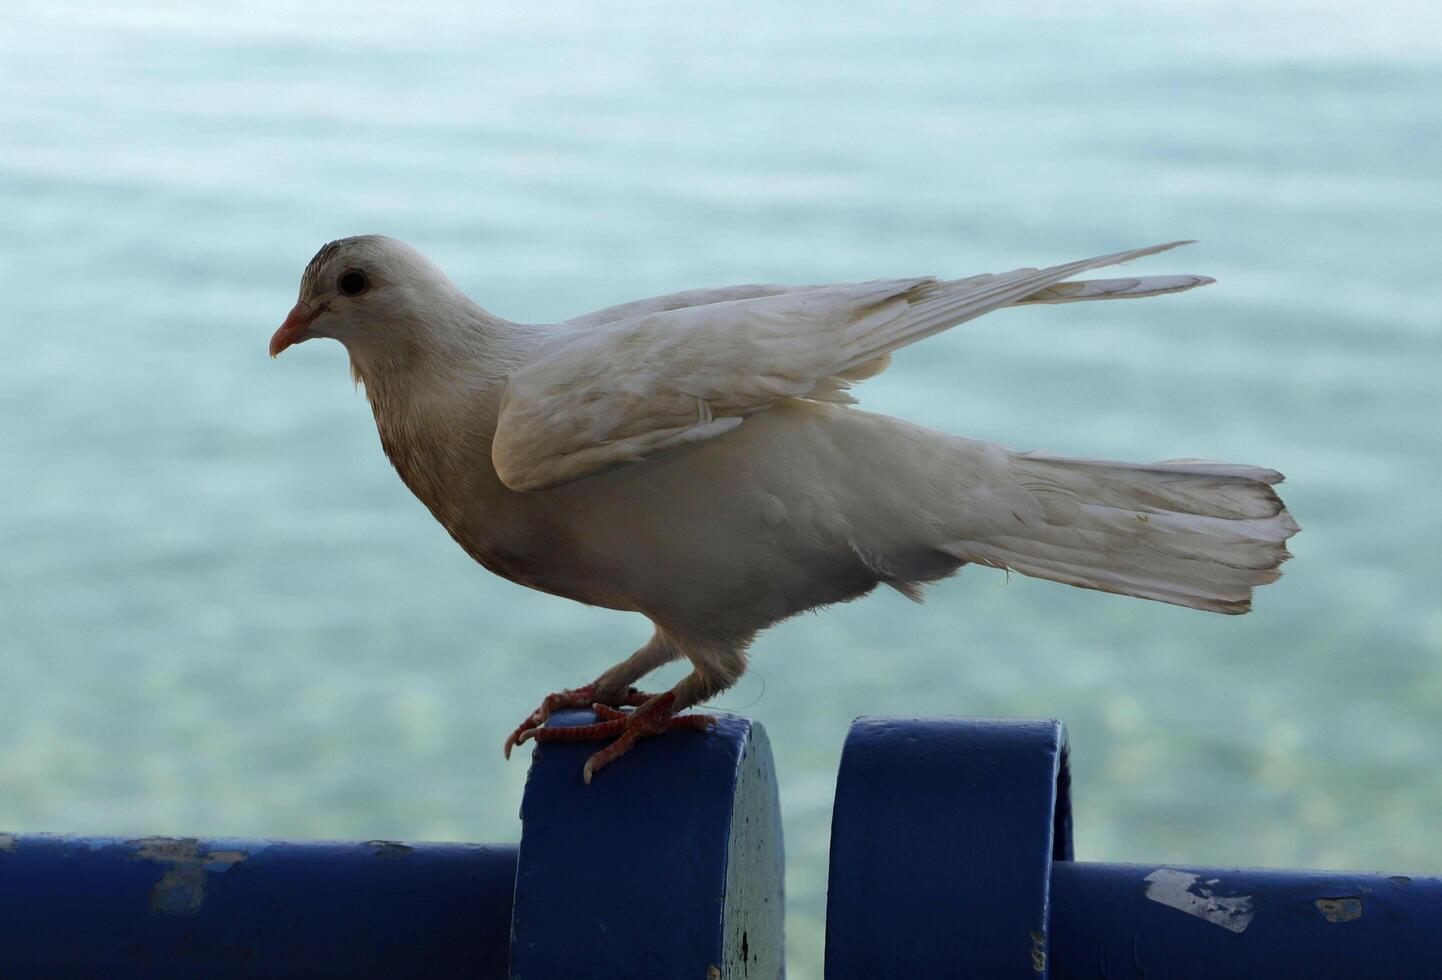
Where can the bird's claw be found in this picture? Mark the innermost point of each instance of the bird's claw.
(580, 697)
(655, 715)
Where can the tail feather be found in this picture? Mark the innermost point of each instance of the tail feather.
(1084, 290)
(1187, 532)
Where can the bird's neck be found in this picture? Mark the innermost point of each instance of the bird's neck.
(453, 337)
(436, 401)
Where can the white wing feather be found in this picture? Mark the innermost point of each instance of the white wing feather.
(676, 301)
(629, 381)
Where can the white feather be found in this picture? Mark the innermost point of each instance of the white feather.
(606, 391)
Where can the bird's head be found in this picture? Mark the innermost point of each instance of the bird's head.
(374, 294)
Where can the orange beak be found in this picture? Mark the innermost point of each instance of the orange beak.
(295, 329)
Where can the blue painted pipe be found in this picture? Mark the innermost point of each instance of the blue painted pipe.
(162, 907)
(667, 865)
(951, 856)
(1182, 923)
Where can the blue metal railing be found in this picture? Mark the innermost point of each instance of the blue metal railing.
(950, 857)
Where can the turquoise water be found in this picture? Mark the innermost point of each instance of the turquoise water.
(221, 613)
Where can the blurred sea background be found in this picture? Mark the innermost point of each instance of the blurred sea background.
(222, 614)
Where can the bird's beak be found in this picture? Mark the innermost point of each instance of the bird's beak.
(295, 329)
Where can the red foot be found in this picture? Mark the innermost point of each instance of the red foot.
(580, 697)
(657, 715)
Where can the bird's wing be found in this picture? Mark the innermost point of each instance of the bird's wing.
(619, 391)
(676, 301)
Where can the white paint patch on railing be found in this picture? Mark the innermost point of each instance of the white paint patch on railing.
(1183, 891)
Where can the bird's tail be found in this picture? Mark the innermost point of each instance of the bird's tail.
(1188, 532)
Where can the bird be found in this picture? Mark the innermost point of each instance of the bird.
(698, 458)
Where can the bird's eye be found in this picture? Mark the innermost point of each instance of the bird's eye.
(353, 282)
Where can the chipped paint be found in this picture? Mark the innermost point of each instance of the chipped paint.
(390, 848)
(1346, 909)
(181, 889)
(9, 843)
(1183, 891)
(1038, 951)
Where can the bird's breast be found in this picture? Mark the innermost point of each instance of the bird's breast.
(514, 535)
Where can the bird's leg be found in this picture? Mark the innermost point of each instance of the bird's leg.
(629, 727)
(716, 670)
(577, 697)
(612, 689)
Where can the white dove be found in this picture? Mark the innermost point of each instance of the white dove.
(694, 458)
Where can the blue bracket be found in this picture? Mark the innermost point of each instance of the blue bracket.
(942, 841)
(668, 864)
